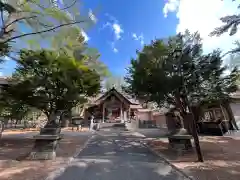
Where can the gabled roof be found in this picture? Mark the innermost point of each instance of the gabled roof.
(127, 98)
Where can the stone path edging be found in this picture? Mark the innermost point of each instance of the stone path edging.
(163, 158)
(53, 174)
(79, 149)
(168, 162)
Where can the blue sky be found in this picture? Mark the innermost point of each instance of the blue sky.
(123, 26)
(140, 17)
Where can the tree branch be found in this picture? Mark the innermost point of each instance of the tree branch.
(19, 19)
(40, 32)
(72, 4)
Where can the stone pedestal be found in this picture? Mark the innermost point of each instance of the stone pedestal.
(179, 138)
(50, 131)
(180, 142)
(46, 144)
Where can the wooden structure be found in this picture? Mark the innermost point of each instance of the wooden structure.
(215, 119)
(112, 106)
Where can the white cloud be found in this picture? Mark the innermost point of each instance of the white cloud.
(170, 6)
(138, 38)
(134, 35)
(115, 50)
(114, 25)
(84, 34)
(117, 30)
(112, 18)
(92, 16)
(203, 16)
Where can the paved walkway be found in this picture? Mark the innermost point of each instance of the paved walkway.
(114, 154)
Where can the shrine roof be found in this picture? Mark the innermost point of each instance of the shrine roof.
(123, 95)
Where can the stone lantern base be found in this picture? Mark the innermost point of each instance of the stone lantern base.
(46, 144)
(180, 140)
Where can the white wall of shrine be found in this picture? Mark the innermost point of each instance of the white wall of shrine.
(236, 111)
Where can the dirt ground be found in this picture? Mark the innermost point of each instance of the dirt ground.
(12, 151)
(14, 130)
(221, 158)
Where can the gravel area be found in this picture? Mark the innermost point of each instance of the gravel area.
(221, 158)
(14, 146)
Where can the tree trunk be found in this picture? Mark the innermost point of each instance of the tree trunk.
(66, 118)
(194, 119)
(51, 119)
(2, 125)
(15, 125)
(9, 29)
(65, 122)
(180, 107)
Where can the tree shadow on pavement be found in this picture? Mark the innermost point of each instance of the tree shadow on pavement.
(117, 169)
(221, 158)
(119, 158)
(16, 148)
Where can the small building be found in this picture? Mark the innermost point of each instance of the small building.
(113, 106)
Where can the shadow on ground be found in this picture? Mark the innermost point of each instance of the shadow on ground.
(16, 148)
(221, 155)
(119, 158)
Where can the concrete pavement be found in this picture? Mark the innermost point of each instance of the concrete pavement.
(114, 154)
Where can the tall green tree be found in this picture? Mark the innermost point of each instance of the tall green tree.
(175, 72)
(230, 24)
(71, 40)
(12, 109)
(51, 81)
(58, 23)
(41, 18)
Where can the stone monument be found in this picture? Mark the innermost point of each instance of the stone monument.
(47, 141)
(179, 138)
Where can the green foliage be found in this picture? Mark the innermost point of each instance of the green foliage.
(166, 72)
(45, 21)
(51, 81)
(4, 50)
(44, 18)
(230, 24)
(70, 39)
(11, 108)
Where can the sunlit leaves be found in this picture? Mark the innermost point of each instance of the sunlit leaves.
(167, 70)
(50, 80)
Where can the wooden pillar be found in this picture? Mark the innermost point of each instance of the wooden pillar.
(121, 112)
(103, 113)
(129, 113)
